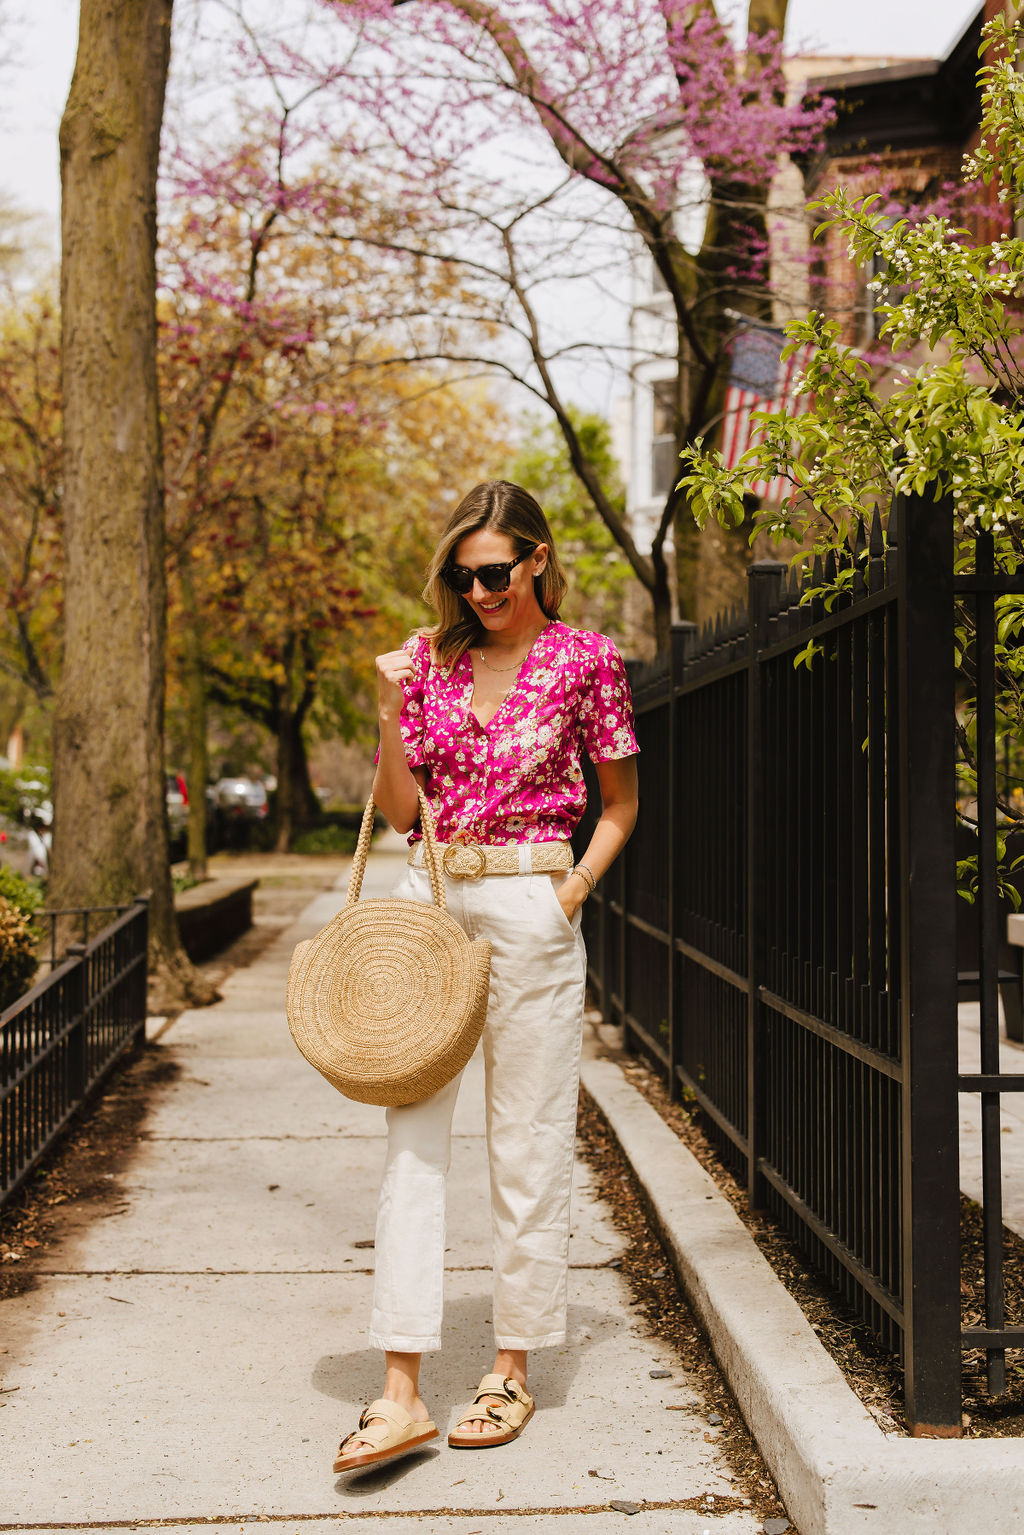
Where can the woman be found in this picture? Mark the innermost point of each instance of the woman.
(488, 713)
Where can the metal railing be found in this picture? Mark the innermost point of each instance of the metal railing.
(779, 936)
(980, 590)
(70, 919)
(62, 1037)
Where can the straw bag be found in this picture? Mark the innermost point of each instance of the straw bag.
(388, 1001)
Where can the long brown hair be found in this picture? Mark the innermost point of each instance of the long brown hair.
(503, 508)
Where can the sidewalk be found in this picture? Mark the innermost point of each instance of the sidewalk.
(192, 1355)
(1011, 1116)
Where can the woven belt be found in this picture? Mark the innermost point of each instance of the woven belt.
(470, 860)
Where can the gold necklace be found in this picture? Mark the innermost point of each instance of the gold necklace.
(519, 663)
(514, 668)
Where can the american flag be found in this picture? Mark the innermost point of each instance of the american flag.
(760, 380)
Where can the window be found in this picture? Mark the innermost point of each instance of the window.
(877, 270)
(665, 466)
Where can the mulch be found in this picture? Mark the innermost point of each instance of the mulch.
(657, 1298)
(870, 1370)
(84, 1166)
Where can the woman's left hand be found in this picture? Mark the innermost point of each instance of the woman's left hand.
(571, 894)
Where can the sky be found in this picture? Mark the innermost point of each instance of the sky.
(36, 83)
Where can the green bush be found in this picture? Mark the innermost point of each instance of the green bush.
(21, 789)
(326, 839)
(260, 836)
(25, 895)
(350, 816)
(17, 953)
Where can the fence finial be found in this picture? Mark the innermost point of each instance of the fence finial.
(765, 588)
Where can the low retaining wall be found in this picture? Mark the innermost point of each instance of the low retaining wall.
(213, 914)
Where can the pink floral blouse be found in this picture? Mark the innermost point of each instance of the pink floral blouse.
(518, 778)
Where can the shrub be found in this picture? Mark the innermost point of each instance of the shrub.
(326, 839)
(25, 895)
(24, 790)
(17, 953)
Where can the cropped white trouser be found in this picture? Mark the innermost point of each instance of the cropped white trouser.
(531, 1047)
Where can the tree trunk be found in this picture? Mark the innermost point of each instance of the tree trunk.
(296, 802)
(198, 753)
(661, 600)
(110, 828)
(305, 802)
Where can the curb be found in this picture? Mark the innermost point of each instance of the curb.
(836, 1471)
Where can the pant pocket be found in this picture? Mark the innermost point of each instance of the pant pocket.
(553, 882)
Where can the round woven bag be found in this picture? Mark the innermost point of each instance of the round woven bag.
(388, 1001)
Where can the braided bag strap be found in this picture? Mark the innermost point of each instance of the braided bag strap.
(431, 856)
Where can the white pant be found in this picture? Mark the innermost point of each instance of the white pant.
(531, 1048)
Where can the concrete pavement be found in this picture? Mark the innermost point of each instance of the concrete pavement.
(193, 1352)
(1011, 1116)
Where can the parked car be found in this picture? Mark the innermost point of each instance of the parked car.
(25, 835)
(241, 798)
(177, 812)
(240, 804)
(32, 786)
(177, 799)
(24, 848)
(36, 805)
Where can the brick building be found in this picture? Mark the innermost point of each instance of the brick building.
(904, 129)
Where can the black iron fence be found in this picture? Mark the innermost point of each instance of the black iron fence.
(779, 937)
(62, 1036)
(71, 924)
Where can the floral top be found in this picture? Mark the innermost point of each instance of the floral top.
(518, 778)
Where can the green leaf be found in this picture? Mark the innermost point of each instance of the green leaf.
(806, 656)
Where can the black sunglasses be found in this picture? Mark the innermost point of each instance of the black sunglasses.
(493, 578)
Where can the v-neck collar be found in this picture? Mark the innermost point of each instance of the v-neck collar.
(525, 665)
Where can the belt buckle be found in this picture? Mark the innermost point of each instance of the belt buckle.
(462, 842)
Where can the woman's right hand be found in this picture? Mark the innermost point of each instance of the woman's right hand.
(393, 669)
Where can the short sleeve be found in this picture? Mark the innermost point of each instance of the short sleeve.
(606, 705)
(411, 721)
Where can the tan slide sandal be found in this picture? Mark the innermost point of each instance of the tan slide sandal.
(396, 1435)
(512, 1413)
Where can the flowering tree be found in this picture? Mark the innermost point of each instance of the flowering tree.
(946, 303)
(953, 417)
(529, 145)
(305, 471)
(311, 486)
(295, 440)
